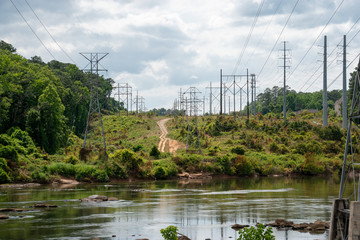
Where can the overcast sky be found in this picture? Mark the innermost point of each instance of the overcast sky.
(161, 46)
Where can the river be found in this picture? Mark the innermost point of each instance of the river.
(201, 209)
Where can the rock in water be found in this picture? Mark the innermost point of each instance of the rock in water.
(44, 205)
(238, 226)
(4, 216)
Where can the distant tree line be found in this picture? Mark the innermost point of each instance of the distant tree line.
(271, 100)
(47, 100)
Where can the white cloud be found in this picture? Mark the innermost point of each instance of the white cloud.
(162, 46)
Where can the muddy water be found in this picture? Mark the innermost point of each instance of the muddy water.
(200, 210)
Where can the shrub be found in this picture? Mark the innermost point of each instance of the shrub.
(260, 232)
(128, 159)
(40, 176)
(238, 150)
(169, 233)
(274, 147)
(137, 147)
(225, 164)
(243, 166)
(9, 153)
(4, 177)
(164, 168)
(311, 165)
(115, 169)
(154, 152)
(330, 133)
(190, 163)
(213, 150)
(84, 172)
(71, 159)
(159, 173)
(100, 175)
(62, 169)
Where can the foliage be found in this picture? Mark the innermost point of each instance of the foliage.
(243, 166)
(169, 233)
(154, 152)
(238, 150)
(4, 177)
(260, 232)
(311, 165)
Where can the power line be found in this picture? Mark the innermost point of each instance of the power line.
(49, 32)
(277, 40)
(331, 54)
(302, 59)
(265, 31)
(248, 37)
(32, 30)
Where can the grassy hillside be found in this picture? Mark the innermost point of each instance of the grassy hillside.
(264, 145)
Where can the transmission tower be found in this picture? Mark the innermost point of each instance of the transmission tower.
(94, 105)
(345, 217)
(234, 86)
(124, 93)
(285, 57)
(193, 108)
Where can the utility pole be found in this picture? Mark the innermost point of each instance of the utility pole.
(221, 92)
(344, 102)
(284, 107)
(286, 59)
(247, 93)
(252, 94)
(94, 105)
(224, 98)
(234, 93)
(325, 105)
(210, 99)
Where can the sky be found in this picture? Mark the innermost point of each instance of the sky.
(160, 47)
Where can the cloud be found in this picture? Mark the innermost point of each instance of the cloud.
(161, 46)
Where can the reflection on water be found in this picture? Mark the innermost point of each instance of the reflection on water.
(201, 209)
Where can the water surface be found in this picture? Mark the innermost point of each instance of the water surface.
(200, 209)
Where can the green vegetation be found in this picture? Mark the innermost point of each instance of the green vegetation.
(43, 111)
(260, 232)
(169, 233)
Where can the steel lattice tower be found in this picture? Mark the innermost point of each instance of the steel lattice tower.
(94, 105)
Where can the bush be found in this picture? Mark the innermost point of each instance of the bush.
(169, 233)
(4, 177)
(260, 232)
(9, 153)
(311, 165)
(40, 176)
(84, 172)
(62, 169)
(137, 148)
(128, 159)
(225, 164)
(238, 150)
(163, 169)
(71, 159)
(154, 152)
(159, 173)
(330, 133)
(100, 175)
(115, 169)
(243, 166)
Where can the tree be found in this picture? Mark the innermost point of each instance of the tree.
(7, 46)
(53, 131)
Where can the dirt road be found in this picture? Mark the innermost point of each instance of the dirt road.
(166, 143)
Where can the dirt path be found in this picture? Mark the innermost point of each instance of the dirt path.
(167, 143)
